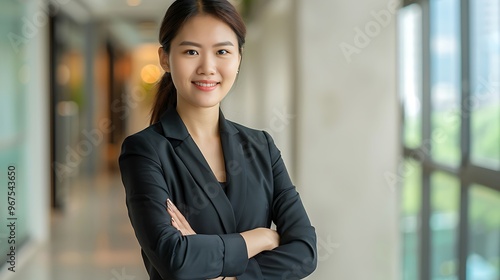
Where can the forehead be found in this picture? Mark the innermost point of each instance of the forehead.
(206, 29)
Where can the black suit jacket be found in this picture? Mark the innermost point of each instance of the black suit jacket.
(163, 162)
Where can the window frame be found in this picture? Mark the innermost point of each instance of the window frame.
(466, 172)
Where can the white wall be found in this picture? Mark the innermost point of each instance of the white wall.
(33, 171)
(263, 94)
(346, 121)
(37, 123)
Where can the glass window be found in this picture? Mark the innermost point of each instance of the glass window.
(410, 227)
(485, 81)
(445, 80)
(445, 200)
(12, 113)
(483, 260)
(446, 113)
(410, 78)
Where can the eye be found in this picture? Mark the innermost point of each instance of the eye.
(222, 52)
(191, 52)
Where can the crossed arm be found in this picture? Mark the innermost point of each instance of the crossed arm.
(257, 240)
(171, 249)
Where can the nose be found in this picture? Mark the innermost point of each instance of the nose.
(207, 65)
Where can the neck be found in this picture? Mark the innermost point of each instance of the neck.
(200, 122)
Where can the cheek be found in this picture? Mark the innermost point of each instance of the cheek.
(180, 70)
(236, 64)
(231, 68)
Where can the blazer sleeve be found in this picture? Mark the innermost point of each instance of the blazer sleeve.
(296, 257)
(174, 256)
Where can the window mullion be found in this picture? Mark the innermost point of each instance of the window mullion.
(464, 140)
(425, 241)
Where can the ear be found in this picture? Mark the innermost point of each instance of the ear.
(163, 59)
(239, 62)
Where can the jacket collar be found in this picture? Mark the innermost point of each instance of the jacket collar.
(174, 127)
(229, 207)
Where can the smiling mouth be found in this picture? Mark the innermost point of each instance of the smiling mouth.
(206, 85)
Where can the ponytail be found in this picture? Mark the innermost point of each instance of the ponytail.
(166, 98)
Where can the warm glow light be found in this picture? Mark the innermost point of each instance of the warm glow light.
(150, 73)
(134, 3)
(63, 74)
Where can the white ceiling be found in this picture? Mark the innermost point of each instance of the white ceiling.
(147, 10)
(129, 25)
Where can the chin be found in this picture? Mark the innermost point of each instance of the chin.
(206, 104)
(209, 102)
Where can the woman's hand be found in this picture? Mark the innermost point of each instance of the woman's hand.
(178, 220)
(260, 239)
(257, 240)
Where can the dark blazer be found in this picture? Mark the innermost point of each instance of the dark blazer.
(163, 162)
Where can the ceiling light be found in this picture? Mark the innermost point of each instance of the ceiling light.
(134, 3)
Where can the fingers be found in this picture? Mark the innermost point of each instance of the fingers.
(178, 220)
(173, 211)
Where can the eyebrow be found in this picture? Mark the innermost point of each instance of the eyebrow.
(188, 43)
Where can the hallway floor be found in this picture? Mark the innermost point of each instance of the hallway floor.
(92, 239)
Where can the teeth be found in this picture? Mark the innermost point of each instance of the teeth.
(205, 85)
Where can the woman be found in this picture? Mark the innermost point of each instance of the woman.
(201, 190)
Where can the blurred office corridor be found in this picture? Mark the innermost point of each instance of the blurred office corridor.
(387, 114)
(92, 239)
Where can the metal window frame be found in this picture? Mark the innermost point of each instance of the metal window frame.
(467, 173)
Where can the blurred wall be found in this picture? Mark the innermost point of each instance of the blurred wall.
(320, 76)
(36, 175)
(24, 131)
(140, 94)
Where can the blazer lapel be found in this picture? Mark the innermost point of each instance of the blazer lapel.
(191, 156)
(236, 170)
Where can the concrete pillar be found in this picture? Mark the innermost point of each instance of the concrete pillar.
(333, 63)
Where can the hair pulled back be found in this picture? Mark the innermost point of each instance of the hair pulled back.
(177, 14)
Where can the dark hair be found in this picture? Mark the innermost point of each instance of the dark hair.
(177, 14)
